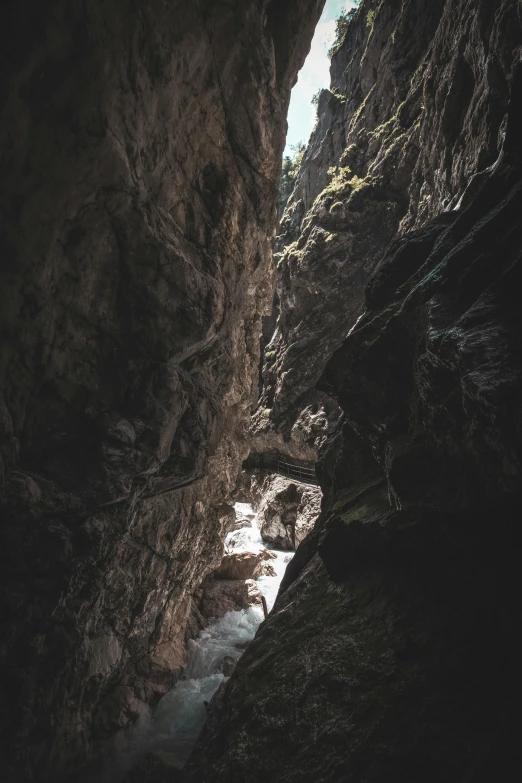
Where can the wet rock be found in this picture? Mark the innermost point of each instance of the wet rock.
(267, 554)
(118, 710)
(239, 522)
(228, 595)
(229, 664)
(229, 517)
(195, 622)
(268, 570)
(240, 565)
(239, 539)
(241, 492)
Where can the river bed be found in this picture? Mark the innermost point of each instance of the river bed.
(174, 725)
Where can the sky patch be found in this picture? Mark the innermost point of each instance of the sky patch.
(313, 76)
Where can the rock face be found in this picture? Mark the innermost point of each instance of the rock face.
(240, 521)
(156, 767)
(415, 111)
(228, 595)
(141, 149)
(391, 655)
(240, 565)
(299, 432)
(287, 511)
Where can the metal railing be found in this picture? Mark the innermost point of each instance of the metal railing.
(297, 472)
(303, 474)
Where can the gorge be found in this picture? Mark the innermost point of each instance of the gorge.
(160, 327)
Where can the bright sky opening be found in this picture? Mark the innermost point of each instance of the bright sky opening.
(313, 76)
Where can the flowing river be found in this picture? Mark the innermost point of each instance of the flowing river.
(174, 725)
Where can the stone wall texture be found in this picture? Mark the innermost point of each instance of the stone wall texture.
(140, 155)
(391, 655)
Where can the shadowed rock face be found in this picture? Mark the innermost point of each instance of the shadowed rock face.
(391, 654)
(141, 146)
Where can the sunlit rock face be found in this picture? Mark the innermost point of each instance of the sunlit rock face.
(140, 155)
(391, 653)
(287, 511)
(415, 110)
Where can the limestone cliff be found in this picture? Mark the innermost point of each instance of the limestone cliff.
(412, 120)
(140, 155)
(391, 652)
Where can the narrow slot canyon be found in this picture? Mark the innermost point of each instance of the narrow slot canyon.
(265, 527)
(226, 613)
(260, 394)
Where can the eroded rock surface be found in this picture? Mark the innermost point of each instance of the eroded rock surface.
(141, 148)
(287, 511)
(391, 655)
(413, 119)
(228, 595)
(299, 432)
(240, 565)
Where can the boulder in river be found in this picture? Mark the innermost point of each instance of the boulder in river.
(240, 565)
(268, 570)
(228, 595)
(240, 521)
(239, 540)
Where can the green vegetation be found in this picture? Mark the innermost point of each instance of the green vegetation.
(389, 125)
(315, 103)
(289, 173)
(341, 26)
(343, 181)
(357, 183)
(372, 16)
(336, 96)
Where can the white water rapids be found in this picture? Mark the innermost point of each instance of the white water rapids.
(174, 725)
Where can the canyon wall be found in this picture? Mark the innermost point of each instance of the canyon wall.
(140, 155)
(391, 654)
(415, 110)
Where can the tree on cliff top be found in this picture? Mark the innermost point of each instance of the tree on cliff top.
(341, 26)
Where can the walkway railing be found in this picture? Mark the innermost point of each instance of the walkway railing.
(297, 472)
(304, 474)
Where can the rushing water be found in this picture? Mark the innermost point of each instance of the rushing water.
(174, 725)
